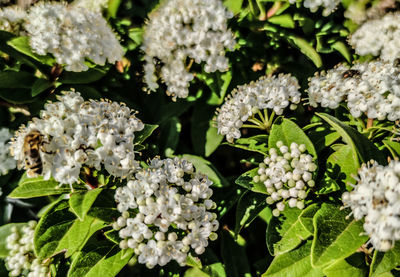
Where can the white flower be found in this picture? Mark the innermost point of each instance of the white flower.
(21, 255)
(96, 6)
(378, 37)
(376, 197)
(78, 133)
(287, 176)
(275, 93)
(165, 212)
(182, 29)
(12, 19)
(7, 162)
(72, 35)
(328, 5)
(371, 88)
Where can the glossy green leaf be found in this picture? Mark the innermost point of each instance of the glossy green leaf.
(335, 236)
(99, 258)
(104, 207)
(17, 96)
(286, 232)
(287, 131)
(283, 20)
(21, 44)
(385, 261)
(142, 135)
(234, 6)
(256, 143)
(364, 148)
(205, 167)
(296, 263)
(40, 86)
(81, 201)
(306, 49)
(394, 147)
(342, 165)
(85, 77)
(169, 139)
(342, 49)
(234, 255)
(343, 269)
(60, 231)
(16, 79)
(36, 187)
(246, 180)
(249, 206)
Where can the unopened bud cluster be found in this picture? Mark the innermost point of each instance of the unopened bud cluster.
(77, 133)
(287, 173)
(328, 6)
(375, 198)
(166, 212)
(21, 258)
(7, 162)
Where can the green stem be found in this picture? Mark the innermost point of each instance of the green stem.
(253, 126)
(372, 263)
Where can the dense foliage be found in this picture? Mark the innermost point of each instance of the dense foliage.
(199, 138)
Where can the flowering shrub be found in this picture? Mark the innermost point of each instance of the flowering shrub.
(199, 138)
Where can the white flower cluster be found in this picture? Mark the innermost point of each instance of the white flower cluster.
(21, 256)
(182, 29)
(12, 19)
(165, 212)
(96, 6)
(368, 88)
(72, 35)
(328, 5)
(6, 160)
(287, 173)
(275, 93)
(379, 37)
(77, 133)
(376, 197)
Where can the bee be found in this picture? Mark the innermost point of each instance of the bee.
(351, 73)
(33, 143)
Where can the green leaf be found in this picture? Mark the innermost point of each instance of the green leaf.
(234, 255)
(246, 180)
(21, 44)
(335, 237)
(287, 131)
(306, 49)
(323, 137)
(112, 235)
(249, 206)
(17, 96)
(104, 207)
(286, 232)
(393, 146)
(59, 231)
(36, 187)
(113, 6)
(169, 139)
(5, 231)
(234, 6)
(342, 49)
(218, 83)
(283, 20)
(342, 165)
(205, 167)
(40, 86)
(81, 201)
(144, 134)
(343, 269)
(16, 79)
(195, 272)
(85, 77)
(295, 263)
(256, 143)
(365, 149)
(99, 258)
(386, 261)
